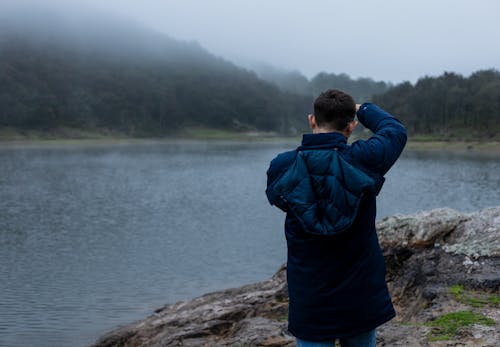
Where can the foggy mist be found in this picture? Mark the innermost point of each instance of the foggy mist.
(386, 40)
(135, 136)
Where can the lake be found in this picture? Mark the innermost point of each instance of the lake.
(94, 236)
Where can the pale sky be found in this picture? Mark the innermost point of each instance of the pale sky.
(390, 40)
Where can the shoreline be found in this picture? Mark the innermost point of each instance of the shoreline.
(211, 135)
(459, 147)
(9, 138)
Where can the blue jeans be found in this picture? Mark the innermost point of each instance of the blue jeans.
(367, 339)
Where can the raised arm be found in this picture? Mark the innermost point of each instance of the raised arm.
(379, 152)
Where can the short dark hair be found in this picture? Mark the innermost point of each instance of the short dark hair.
(334, 109)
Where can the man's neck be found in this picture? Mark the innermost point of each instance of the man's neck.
(324, 130)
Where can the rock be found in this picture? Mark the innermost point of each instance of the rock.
(478, 236)
(474, 234)
(425, 253)
(419, 230)
(251, 315)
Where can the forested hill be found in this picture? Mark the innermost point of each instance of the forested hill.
(449, 106)
(362, 89)
(93, 72)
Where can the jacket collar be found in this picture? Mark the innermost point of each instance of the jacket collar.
(323, 140)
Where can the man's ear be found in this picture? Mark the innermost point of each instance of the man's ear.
(312, 121)
(351, 126)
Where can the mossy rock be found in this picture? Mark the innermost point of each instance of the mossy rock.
(474, 298)
(448, 325)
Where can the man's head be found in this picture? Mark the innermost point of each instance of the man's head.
(334, 110)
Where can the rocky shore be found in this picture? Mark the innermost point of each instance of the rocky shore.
(443, 272)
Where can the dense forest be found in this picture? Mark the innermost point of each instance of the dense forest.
(116, 76)
(448, 106)
(108, 74)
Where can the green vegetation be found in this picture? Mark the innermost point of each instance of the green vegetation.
(474, 298)
(457, 290)
(283, 318)
(282, 299)
(204, 133)
(449, 107)
(447, 326)
(114, 78)
(21, 134)
(132, 81)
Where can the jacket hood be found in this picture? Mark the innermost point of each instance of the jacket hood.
(322, 190)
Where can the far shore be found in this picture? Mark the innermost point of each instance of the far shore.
(40, 139)
(487, 147)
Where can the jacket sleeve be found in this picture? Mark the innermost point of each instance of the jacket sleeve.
(277, 167)
(382, 150)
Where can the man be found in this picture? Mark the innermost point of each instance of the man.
(335, 267)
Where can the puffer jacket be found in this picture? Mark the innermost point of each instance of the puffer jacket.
(336, 270)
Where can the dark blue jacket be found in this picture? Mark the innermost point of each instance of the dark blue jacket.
(336, 270)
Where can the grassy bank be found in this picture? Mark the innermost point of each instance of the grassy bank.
(63, 136)
(201, 133)
(492, 147)
(8, 134)
(75, 137)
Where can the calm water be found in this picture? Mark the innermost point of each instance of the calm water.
(97, 236)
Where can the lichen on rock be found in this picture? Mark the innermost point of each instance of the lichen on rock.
(472, 234)
(478, 236)
(416, 231)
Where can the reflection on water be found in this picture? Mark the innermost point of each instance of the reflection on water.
(92, 237)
